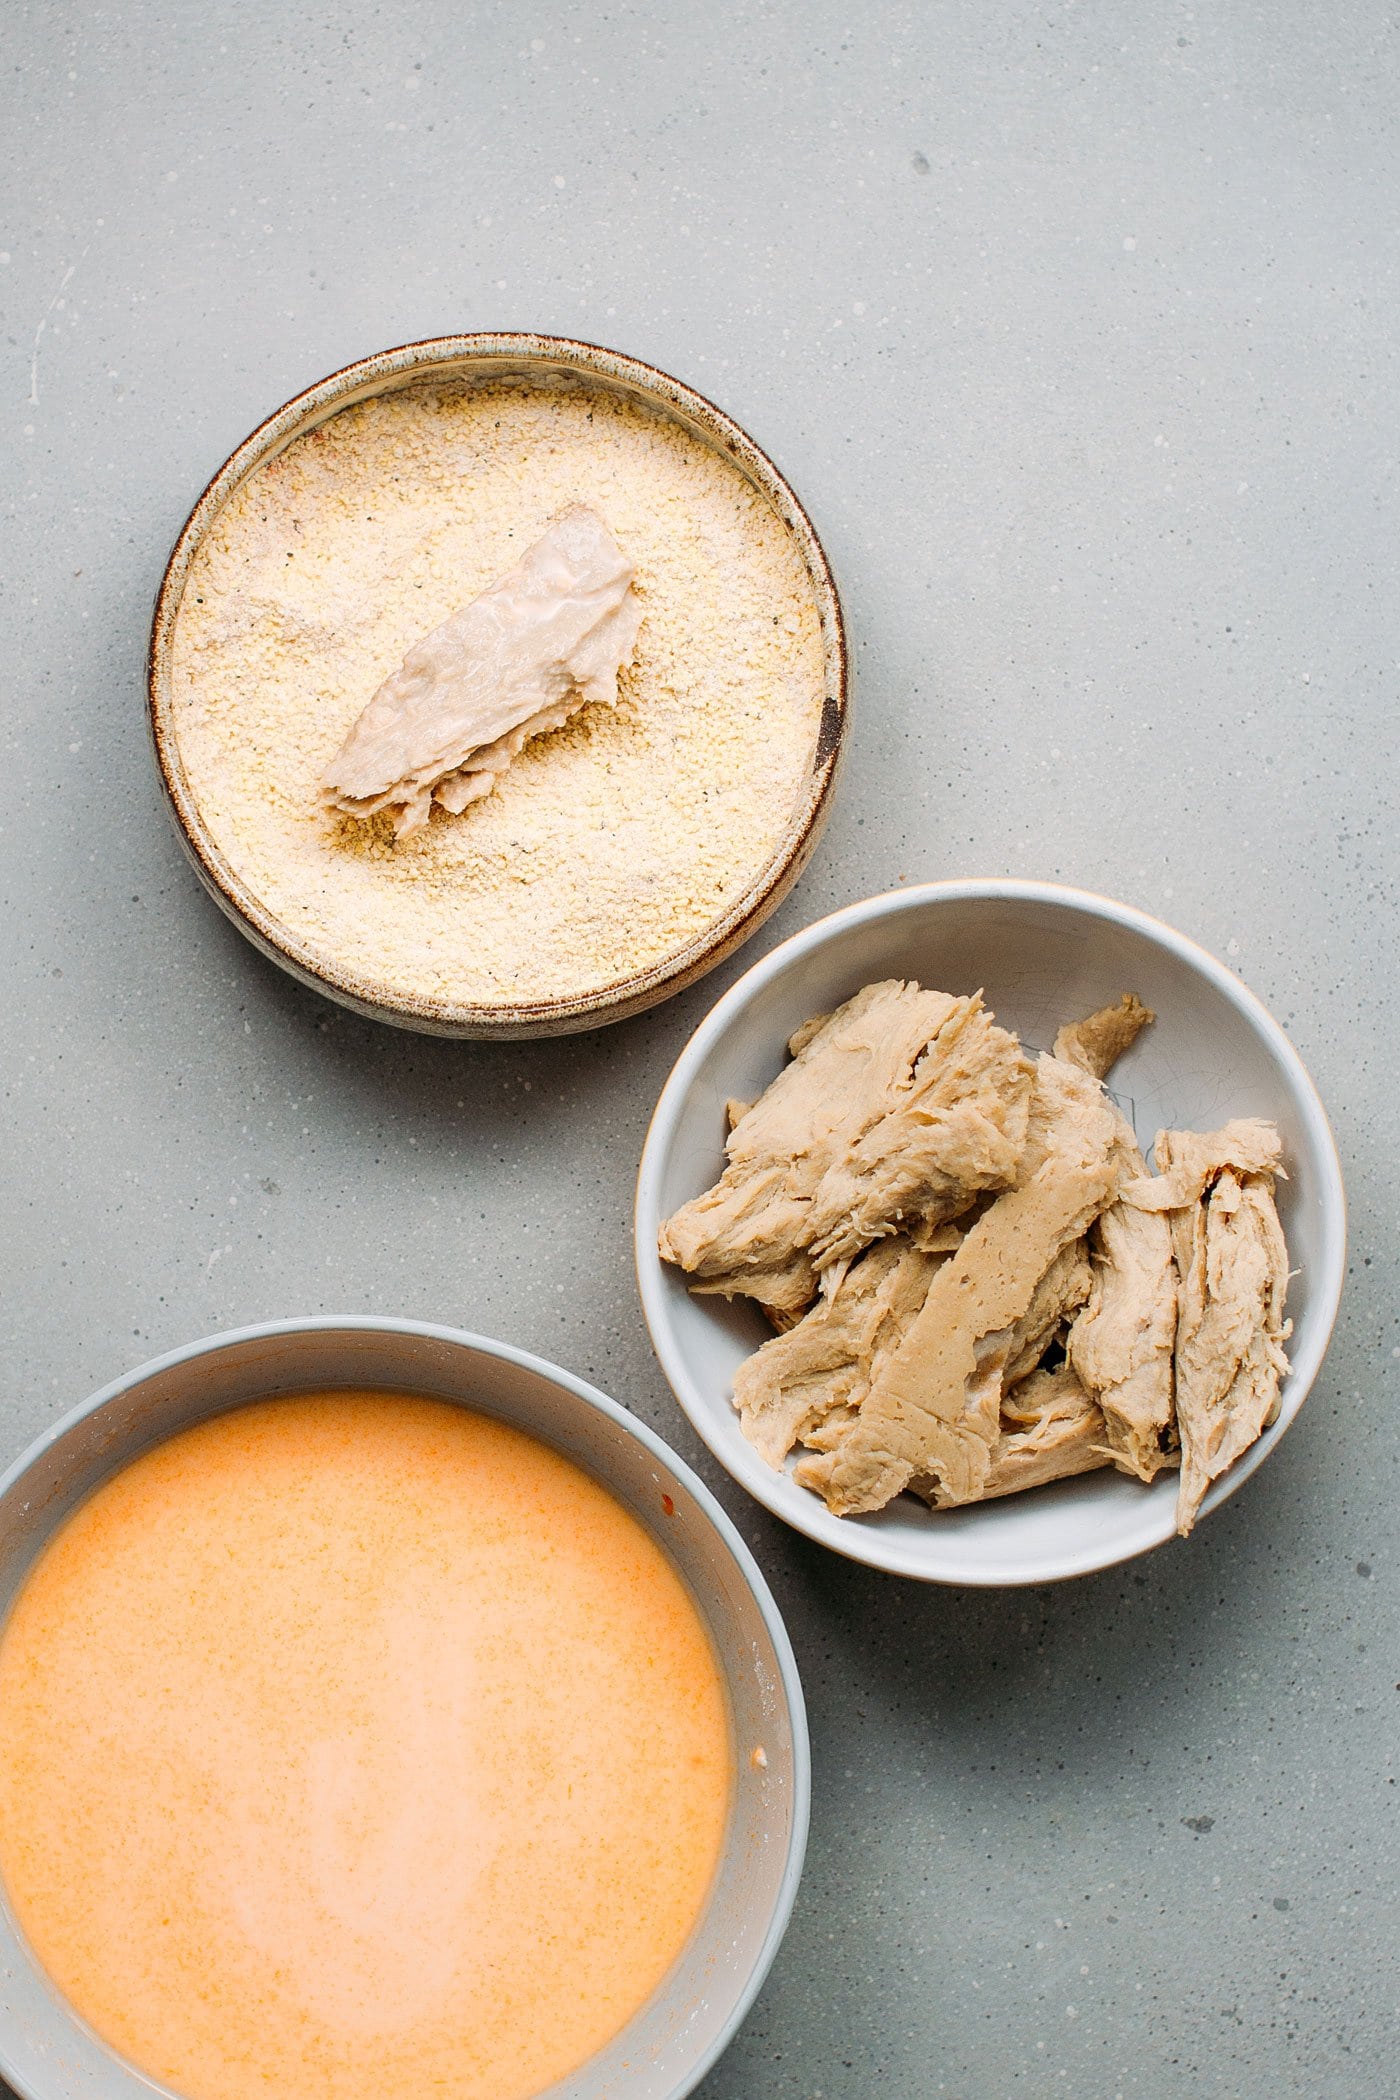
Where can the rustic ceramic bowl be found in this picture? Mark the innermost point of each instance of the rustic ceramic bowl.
(1042, 955)
(46, 2051)
(499, 357)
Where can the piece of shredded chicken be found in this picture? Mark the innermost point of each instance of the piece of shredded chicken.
(958, 1128)
(1050, 1430)
(1097, 1042)
(1059, 1294)
(518, 661)
(789, 1388)
(1216, 1190)
(1120, 1347)
(934, 1411)
(895, 1113)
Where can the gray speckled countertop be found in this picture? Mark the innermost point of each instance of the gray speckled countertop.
(1076, 328)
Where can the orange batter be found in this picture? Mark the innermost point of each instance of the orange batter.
(355, 1745)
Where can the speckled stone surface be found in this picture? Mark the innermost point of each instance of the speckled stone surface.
(1076, 328)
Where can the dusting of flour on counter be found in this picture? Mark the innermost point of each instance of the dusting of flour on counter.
(608, 844)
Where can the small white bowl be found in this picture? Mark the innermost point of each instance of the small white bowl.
(1042, 955)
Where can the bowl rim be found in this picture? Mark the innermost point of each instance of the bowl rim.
(388, 371)
(872, 1548)
(641, 1432)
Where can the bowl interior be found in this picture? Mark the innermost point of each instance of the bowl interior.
(47, 2053)
(1042, 957)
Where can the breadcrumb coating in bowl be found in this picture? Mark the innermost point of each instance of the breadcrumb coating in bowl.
(619, 857)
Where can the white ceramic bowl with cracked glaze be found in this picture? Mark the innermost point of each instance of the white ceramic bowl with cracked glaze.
(47, 2052)
(1042, 954)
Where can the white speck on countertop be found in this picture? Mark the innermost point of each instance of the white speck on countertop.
(53, 305)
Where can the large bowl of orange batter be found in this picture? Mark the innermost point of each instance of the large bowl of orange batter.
(382, 1710)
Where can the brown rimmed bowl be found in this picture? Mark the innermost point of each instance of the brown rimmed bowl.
(487, 357)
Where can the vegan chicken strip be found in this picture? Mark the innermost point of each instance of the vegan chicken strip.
(1121, 1344)
(934, 1411)
(895, 1112)
(1217, 1192)
(1097, 1042)
(791, 1385)
(1051, 1429)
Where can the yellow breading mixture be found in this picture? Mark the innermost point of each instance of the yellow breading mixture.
(608, 844)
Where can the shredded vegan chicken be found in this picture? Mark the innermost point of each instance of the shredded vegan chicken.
(1121, 1345)
(1050, 1430)
(978, 1285)
(896, 1111)
(1097, 1042)
(935, 1408)
(1060, 1292)
(1217, 1191)
(790, 1387)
